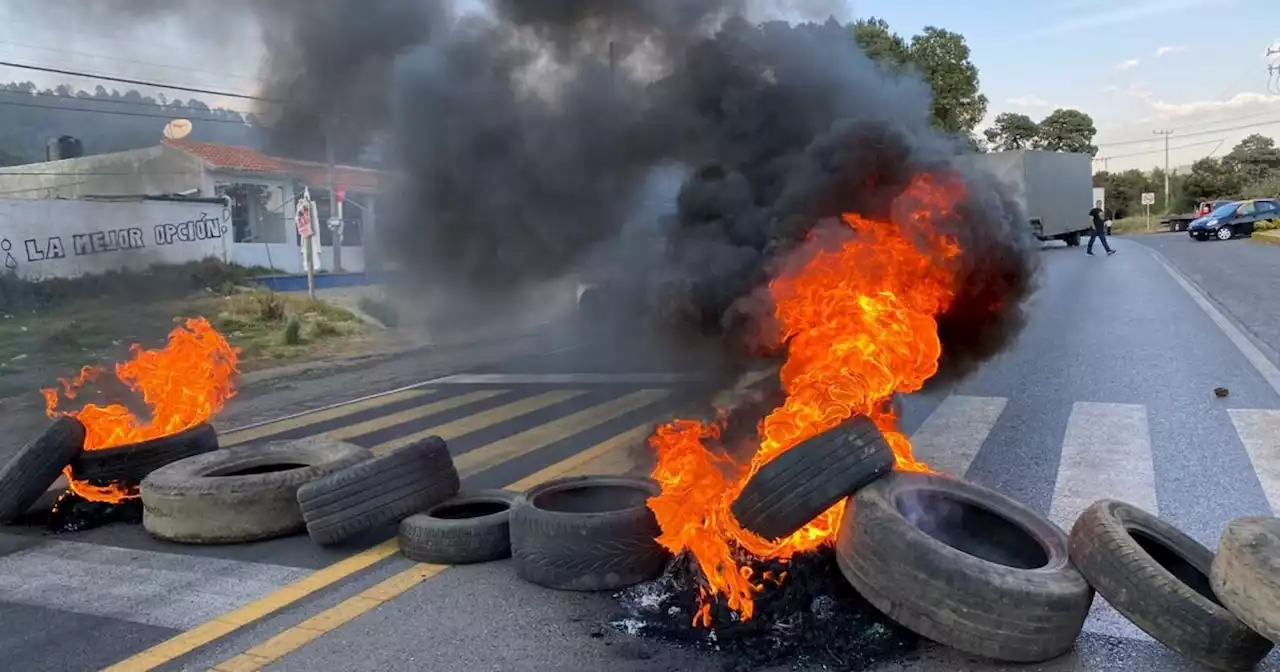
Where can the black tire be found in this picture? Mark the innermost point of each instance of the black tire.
(573, 547)
(1158, 577)
(130, 464)
(385, 489)
(964, 566)
(192, 501)
(37, 465)
(1245, 574)
(1073, 239)
(470, 528)
(795, 487)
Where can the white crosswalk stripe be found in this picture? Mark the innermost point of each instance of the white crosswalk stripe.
(1106, 453)
(1259, 431)
(954, 433)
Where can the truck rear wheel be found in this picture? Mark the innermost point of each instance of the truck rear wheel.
(1073, 239)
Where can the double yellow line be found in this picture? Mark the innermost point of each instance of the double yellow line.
(601, 455)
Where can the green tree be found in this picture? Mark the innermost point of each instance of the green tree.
(1212, 178)
(943, 60)
(1067, 131)
(1255, 157)
(1012, 131)
(881, 44)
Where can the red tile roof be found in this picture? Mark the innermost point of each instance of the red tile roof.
(249, 160)
(230, 157)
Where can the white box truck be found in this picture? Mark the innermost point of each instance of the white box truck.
(1055, 189)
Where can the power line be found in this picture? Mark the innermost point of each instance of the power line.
(135, 82)
(150, 64)
(1197, 133)
(123, 113)
(1159, 151)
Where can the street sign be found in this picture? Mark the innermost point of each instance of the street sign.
(1148, 198)
(334, 223)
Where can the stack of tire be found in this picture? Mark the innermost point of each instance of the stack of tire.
(579, 533)
(37, 465)
(973, 569)
(582, 533)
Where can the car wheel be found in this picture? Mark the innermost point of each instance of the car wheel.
(1225, 233)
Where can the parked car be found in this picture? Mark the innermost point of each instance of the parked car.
(1183, 222)
(1235, 218)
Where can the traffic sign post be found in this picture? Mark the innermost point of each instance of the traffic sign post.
(1148, 198)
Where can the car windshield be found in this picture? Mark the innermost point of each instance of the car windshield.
(1224, 210)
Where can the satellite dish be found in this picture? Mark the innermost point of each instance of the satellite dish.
(177, 129)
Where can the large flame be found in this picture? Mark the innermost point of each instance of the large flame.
(858, 316)
(182, 384)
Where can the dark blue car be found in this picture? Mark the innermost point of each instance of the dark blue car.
(1236, 218)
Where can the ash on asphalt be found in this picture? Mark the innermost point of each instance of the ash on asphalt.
(813, 617)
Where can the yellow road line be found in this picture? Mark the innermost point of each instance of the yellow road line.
(410, 414)
(227, 623)
(357, 605)
(308, 419)
(313, 628)
(478, 421)
(579, 462)
(525, 442)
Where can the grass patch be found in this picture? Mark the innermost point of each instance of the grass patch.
(1139, 224)
(157, 283)
(48, 331)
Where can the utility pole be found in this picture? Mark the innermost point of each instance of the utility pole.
(1166, 133)
(1273, 71)
(335, 205)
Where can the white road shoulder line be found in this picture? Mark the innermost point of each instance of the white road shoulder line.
(1265, 367)
(161, 589)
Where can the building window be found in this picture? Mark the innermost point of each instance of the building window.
(257, 212)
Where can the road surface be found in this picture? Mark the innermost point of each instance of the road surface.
(1109, 392)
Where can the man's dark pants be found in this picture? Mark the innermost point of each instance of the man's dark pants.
(1099, 231)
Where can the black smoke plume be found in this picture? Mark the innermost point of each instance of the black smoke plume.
(526, 131)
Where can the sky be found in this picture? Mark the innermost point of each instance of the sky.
(1196, 67)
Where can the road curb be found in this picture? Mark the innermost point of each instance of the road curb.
(1266, 237)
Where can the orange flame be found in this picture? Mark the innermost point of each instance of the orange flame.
(182, 384)
(858, 316)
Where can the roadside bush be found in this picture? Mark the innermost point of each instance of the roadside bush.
(1267, 226)
(270, 307)
(293, 332)
(323, 328)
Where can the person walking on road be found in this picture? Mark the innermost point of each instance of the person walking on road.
(1099, 229)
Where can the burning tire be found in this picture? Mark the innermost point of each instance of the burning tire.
(1158, 577)
(964, 566)
(1245, 574)
(384, 489)
(798, 485)
(132, 463)
(240, 494)
(37, 465)
(587, 533)
(469, 528)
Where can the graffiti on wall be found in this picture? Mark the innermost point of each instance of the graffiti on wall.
(119, 240)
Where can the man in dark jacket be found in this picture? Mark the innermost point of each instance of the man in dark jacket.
(1099, 229)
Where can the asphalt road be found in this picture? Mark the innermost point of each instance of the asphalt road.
(1107, 393)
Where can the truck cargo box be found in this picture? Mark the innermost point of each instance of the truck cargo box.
(1055, 189)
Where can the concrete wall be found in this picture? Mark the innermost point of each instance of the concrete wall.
(153, 171)
(63, 238)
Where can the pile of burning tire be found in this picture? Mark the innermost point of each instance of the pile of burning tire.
(970, 568)
(582, 533)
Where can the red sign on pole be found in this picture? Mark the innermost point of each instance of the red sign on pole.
(342, 194)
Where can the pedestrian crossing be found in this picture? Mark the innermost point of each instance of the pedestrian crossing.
(517, 433)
